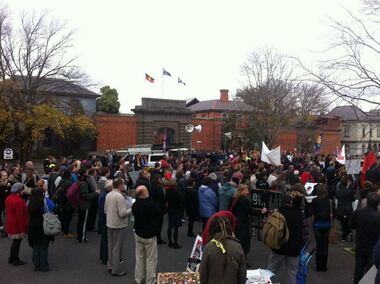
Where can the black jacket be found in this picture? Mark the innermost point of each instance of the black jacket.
(321, 209)
(294, 222)
(345, 197)
(146, 215)
(366, 222)
(158, 196)
(36, 229)
(173, 197)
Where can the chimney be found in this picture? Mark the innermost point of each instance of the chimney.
(224, 95)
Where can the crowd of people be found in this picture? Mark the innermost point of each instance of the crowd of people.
(217, 194)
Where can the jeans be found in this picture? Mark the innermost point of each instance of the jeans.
(291, 266)
(322, 241)
(116, 239)
(363, 263)
(40, 254)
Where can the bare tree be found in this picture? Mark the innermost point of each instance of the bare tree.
(270, 92)
(350, 68)
(36, 51)
(311, 100)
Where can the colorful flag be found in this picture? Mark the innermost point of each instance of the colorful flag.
(149, 78)
(180, 81)
(164, 72)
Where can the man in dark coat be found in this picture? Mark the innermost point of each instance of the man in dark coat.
(366, 222)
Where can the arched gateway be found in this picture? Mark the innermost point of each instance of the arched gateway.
(158, 119)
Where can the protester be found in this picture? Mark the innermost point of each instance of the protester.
(157, 194)
(145, 213)
(366, 223)
(17, 222)
(175, 212)
(322, 212)
(242, 210)
(5, 190)
(226, 194)
(223, 259)
(192, 205)
(86, 197)
(38, 205)
(345, 196)
(105, 188)
(116, 210)
(288, 253)
(208, 203)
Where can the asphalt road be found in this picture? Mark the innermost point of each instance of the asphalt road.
(74, 263)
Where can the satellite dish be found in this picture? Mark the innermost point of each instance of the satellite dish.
(189, 128)
(198, 128)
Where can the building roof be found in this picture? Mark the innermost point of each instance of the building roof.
(58, 86)
(349, 113)
(191, 101)
(219, 106)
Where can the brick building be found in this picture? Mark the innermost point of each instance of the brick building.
(156, 119)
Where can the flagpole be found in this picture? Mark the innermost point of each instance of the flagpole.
(162, 88)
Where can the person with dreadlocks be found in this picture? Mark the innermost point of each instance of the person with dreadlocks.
(223, 260)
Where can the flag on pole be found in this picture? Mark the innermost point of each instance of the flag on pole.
(149, 78)
(180, 81)
(166, 73)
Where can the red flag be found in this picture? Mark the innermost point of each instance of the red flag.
(368, 162)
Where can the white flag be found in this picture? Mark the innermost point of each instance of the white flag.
(272, 157)
(342, 156)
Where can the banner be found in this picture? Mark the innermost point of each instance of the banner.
(195, 256)
(272, 157)
(342, 156)
(353, 166)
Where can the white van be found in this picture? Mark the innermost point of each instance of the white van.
(154, 158)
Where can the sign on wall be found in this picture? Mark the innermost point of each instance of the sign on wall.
(8, 154)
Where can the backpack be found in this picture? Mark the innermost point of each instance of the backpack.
(59, 195)
(275, 231)
(73, 195)
(51, 223)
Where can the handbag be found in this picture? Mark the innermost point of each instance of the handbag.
(332, 233)
(51, 223)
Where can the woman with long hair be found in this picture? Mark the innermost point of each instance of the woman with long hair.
(158, 196)
(223, 259)
(38, 205)
(175, 210)
(242, 210)
(322, 212)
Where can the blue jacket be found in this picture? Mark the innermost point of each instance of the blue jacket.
(226, 193)
(208, 202)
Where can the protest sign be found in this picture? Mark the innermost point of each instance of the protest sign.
(195, 256)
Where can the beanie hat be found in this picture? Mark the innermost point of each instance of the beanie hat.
(17, 187)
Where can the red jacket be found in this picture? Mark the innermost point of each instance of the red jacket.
(17, 220)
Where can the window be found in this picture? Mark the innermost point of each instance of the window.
(363, 132)
(378, 131)
(346, 131)
(370, 131)
(363, 148)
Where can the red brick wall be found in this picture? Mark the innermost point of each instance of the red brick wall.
(286, 139)
(115, 131)
(210, 136)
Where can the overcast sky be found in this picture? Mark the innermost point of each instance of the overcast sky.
(204, 42)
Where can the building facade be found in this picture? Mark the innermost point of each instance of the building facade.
(359, 129)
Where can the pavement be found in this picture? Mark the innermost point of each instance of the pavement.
(73, 263)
